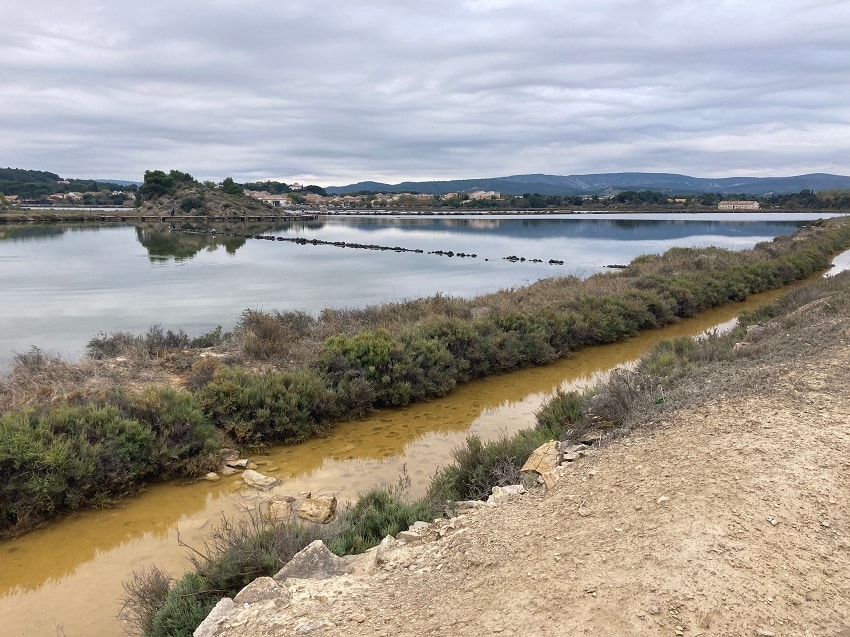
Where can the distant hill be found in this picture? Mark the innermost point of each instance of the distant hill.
(120, 182)
(611, 183)
(35, 184)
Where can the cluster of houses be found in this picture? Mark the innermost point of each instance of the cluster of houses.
(74, 199)
(358, 201)
(738, 205)
(381, 200)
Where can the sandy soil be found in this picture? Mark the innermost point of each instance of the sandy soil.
(728, 518)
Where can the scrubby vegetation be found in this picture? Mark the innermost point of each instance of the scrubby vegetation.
(240, 551)
(284, 377)
(176, 190)
(674, 374)
(77, 455)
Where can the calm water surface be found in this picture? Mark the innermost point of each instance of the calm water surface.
(61, 285)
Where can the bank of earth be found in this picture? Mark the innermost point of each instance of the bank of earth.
(725, 513)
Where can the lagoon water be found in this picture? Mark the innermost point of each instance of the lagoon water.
(60, 285)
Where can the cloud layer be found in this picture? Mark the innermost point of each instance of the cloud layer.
(333, 92)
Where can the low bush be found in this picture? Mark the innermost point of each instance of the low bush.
(154, 343)
(236, 553)
(478, 466)
(144, 595)
(69, 458)
(271, 407)
(215, 336)
(183, 608)
(558, 415)
(76, 455)
(158, 340)
(186, 440)
(269, 335)
(377, 368)
(116, 344)
(464, 341)
(376, 514)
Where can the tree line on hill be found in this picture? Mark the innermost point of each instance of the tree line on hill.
(36, 184)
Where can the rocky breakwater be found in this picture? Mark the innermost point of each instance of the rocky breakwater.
(318, 592)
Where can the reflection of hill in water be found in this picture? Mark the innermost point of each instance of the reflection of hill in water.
(295, 226)
(163, 242)
(166, 243)
(580, 228)
(30, 233)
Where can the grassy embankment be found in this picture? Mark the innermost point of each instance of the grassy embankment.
(66, 444)
(673, 375)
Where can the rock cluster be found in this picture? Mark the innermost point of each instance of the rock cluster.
(320, 509)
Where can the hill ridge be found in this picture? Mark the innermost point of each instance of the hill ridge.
(610, 183)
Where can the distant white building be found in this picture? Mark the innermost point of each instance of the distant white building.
(276, 201)
(738, 205)
(484, 194)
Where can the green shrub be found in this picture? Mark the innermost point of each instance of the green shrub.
(183, 609)
(430, 369)
(158, 341)
(115, 344)
(463, 341)
(144, 595)
(186, 440)
(212, 338)
(524, 341)
(271, 407)
(34, 469)
(68, 458)
(559, 412)
(375, 515)
(123, 449)
(191, 203)
(479, 466)
(390, 372)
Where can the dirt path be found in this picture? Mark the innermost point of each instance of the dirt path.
(727, 519)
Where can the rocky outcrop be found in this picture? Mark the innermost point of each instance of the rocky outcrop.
(545, 458)
(321, 509)
(258, 480)
(315, 562)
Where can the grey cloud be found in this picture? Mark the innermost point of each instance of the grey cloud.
(343, 91)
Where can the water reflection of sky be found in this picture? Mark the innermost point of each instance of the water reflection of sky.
(60, 292)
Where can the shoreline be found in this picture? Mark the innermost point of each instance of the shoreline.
(94, 214)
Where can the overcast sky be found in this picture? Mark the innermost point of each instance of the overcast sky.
(332, 92)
